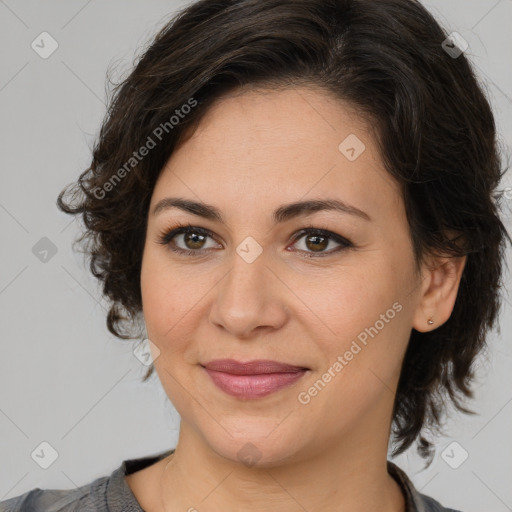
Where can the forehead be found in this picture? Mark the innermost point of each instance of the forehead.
(255, 149)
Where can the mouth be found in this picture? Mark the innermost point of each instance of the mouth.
(252, 379)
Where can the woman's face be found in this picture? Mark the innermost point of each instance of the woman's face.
(255, 286)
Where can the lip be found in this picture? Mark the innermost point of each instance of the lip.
(252, 379)
(256, 367)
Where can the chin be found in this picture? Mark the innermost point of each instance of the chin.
(256, 446)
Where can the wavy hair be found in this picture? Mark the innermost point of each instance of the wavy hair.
(432, 122)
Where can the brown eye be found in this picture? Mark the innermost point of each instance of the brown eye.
(316, 243)
(189, 240)
(193, 240)
(317, 240)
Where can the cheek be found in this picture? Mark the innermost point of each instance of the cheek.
(362, 362)
(172, 298)
(161, 291)
(366, 312)
(168, 307)
(350, 299)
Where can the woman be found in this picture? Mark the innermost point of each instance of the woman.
(297, 198)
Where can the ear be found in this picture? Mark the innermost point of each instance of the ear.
(441, 279)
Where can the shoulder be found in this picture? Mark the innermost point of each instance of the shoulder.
(88, 497)
(431, 505)
(105, 494)
(415, 501)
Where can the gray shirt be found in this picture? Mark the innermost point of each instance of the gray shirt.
(112, 493)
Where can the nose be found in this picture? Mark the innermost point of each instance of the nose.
(250, 298)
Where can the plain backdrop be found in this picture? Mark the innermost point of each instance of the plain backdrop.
(65, 380)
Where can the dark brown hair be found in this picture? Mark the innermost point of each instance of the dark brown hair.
(433, 124)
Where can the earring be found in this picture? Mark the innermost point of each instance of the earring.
(430, 321)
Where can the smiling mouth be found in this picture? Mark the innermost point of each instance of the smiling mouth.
(252, 379)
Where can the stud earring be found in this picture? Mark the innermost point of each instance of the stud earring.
(430, 321)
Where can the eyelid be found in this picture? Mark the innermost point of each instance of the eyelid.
(165, 237)
(343, 242)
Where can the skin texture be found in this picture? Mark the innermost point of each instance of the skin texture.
(254, 151)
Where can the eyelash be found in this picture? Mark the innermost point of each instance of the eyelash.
(165, 237)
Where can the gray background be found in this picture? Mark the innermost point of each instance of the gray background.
(67, 381)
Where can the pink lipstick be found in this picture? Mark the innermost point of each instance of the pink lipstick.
(253, 379)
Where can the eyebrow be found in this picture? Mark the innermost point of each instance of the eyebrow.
(281, 214)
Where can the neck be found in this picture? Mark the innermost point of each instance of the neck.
(350, 476)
